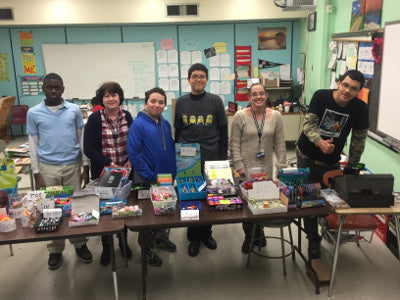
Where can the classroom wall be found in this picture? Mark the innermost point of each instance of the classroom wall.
(43, 12)
(378, 158)
(202, 35)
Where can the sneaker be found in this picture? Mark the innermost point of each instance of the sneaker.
(152, 258)
(55, 261)
(105, 256)
(165, 244)
(84, 254)
(194, 248)
(210, 243)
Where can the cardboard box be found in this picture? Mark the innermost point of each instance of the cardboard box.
(269, 79)
(262, 190)
(190, 210)
(82, 204)
(274, 205)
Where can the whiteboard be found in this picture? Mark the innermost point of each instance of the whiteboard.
(389, 97)
(84, 67)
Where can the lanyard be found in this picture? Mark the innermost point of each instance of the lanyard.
(259, 129)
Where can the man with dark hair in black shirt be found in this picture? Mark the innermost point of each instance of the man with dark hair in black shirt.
(331, 116)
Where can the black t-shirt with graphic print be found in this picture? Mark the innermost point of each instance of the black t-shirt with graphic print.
(334, 122)
(198, 119)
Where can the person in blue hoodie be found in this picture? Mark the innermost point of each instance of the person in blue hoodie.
(151, 151)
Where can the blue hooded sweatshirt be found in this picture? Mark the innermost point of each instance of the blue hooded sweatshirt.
(151, 149)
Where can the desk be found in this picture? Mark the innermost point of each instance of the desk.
(393, 210)
(150, 221)
(106, 226)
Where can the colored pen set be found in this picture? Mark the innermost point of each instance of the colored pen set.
(302, 196)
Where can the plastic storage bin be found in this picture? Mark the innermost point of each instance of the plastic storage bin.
(188, 188)
(164, 199)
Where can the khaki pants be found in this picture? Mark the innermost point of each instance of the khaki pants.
(67, 175)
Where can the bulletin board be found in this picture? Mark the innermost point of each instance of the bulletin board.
(84, 67)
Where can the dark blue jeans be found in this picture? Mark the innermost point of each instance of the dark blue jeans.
(311, 224)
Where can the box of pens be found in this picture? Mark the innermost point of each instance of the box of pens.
(218, 202)
(303, 196)
(48, 221)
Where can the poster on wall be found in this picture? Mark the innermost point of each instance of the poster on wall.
(357, 15)
(28, 63)
(272, 38)
(4, 71)
(26, 42)
(373, 11)
(31, 85)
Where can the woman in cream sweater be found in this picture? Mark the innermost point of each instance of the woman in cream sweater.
(256, 134)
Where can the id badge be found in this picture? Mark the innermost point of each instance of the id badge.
(260, 154)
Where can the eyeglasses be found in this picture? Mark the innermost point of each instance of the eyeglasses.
(260, 94)
(201, 77)
(348, 86)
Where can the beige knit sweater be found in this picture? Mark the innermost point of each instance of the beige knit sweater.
(244, 142)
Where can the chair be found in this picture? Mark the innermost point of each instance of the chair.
(273, 224)
(6, 104)
(354, 225)
(18, 116)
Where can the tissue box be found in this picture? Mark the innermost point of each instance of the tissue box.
(82, 207)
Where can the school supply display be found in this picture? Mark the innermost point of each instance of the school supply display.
(164, 199)
(218, 203)
(190, 210)
(219, 178)
(113, 177)
(264, 197)
(84, 209)
(190, 182)
(120, 211)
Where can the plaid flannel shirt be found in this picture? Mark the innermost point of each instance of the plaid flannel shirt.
(115, 148)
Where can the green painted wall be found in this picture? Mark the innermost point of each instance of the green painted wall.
(377, 158)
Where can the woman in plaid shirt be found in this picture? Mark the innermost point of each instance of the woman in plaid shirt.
(105, 136)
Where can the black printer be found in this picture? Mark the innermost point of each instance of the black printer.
(372, 190)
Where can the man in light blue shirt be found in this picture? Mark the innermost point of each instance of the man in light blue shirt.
(55, 130)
